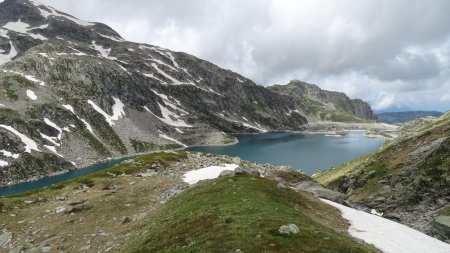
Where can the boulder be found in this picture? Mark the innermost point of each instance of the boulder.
(5, 239)
(319, 191)
(245, 171)
(289, 229)
(226, 173)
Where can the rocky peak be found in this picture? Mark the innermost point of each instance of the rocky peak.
(318, 103)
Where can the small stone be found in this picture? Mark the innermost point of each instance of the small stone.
(126, 219)
(289, 229)
(60, 209)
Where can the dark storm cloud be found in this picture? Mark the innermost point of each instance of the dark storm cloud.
(387, 52)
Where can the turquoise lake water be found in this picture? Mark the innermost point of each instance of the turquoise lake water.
(310, 153)
(47, 181)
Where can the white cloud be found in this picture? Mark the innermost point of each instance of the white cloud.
(399, 47)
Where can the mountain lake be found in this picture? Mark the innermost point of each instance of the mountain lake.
(309, 153)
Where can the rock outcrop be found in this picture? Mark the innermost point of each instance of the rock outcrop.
(323, 105)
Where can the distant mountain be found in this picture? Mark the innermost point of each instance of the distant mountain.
(401, 117)
(322, 105)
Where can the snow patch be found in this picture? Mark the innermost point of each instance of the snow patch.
(104, 52)
(52, 12)
(70, 108)
(9, 154)
(154, 77)
(179, 131)
(164, 136)
(29, 143)
(168, 117)
(245, 124)
(31, 95)
(88, 126)
(111, 38)
(387, 235)
(3, 163)
(53, 149)
(23, 28)
(28, 77)
(212, 172)
(50, 123)
(4, 58)
(117, 109)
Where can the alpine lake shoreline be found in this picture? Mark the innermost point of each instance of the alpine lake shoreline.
(321, 128)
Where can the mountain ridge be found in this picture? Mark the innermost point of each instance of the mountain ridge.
(324, 105)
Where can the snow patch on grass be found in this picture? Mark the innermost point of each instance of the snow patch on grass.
(212, 172)
(29, 143)
(387, 235)
(117, 109)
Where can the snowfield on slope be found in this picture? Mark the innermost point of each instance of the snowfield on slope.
(387, 235)
(194, 176)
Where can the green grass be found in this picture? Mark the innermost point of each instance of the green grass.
(142, 146)
(243, 213)
(142, 163)
(445, 211)
(137, 165)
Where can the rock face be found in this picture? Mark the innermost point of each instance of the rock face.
(408, 180)
(321, 105)
(75, 92)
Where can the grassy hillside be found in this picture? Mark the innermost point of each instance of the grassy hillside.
(408, 180)
(120, 210)
(243, 213)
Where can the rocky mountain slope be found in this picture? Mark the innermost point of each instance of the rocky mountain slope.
(408, 180)
(74, 92)
(323, 105)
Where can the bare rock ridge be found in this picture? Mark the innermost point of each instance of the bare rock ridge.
(320, 104)
(75, 92)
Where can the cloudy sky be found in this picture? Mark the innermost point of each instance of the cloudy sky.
(394, 54)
